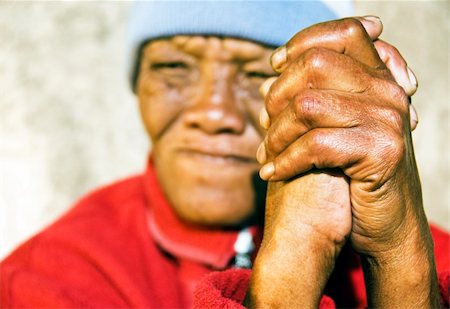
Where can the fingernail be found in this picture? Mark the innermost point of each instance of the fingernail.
(267, 171)
(264, 119)
(261, 154)
(410, 83)
(407, 81)
(373, 18)
(414, 120)
(279, 58)
(264, 89)
(412, 77)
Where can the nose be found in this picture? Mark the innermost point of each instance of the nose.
(215, 108)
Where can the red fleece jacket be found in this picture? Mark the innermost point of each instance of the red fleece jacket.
(122, 246)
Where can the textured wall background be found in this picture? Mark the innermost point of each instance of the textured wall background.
(68, 122)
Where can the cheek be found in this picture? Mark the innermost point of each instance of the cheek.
(253, 102)
(159, 107)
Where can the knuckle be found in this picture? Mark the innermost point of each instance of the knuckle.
(398, 92)
(400, 98)
(313, 63)
(394, 118)
(317, 142)
(307, 105)
(292, 158)
(387, 149)
(316, 148)
(353, 28)
(385, 157)
(315, 58)
(393, 150)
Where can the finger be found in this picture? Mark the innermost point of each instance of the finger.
(414, 119)
(264, 119)
(402, 74)
(319, 148)
(394, 61)
(372, 24)
(265, 86)
(318, 68)
(347, 36)
(311, 109)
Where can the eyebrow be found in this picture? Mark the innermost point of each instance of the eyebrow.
(174, 49)
(239, 50)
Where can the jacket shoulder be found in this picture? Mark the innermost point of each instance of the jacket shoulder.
(441, 240)
(89, 243)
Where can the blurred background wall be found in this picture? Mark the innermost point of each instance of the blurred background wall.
(68, 122)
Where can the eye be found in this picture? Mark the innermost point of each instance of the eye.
(168, 65)
(257, 74)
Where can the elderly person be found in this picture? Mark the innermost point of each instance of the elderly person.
(328, 117)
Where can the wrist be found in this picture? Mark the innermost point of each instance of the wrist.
(291, 274)
(405, 275)
(307, 222)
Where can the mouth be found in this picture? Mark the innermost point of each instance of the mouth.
(217, 157)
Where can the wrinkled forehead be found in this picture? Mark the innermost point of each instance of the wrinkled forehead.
(204, 46)
(268, 22)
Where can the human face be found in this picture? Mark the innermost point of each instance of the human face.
(200, 104)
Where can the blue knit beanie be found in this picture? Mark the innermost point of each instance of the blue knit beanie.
(271, 23)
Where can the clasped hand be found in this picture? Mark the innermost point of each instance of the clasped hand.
(339, 159)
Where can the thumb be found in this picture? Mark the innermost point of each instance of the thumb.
(372, 25)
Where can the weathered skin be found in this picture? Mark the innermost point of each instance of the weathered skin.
(338, 106)
(200, 102)
(341, 103)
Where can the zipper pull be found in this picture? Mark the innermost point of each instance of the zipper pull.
(243, 247)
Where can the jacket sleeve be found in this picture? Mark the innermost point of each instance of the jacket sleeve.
(227, 289)
(444, 288)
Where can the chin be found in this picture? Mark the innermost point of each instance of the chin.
(214, 209)
(213, 194)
